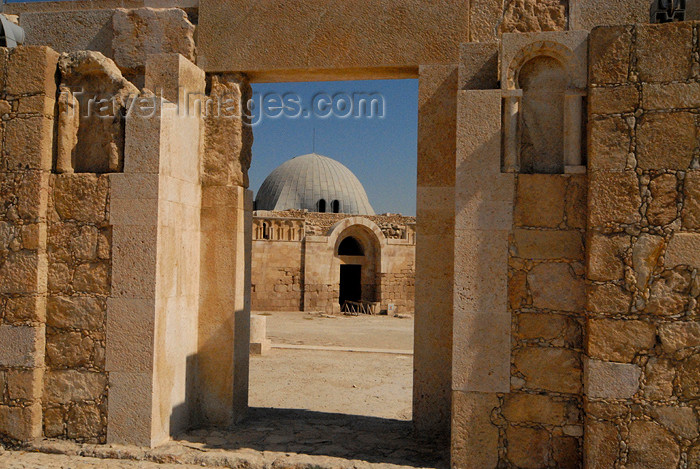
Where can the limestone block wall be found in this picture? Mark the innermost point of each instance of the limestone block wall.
(27, 97)
(276, 276)
(79, 283)
(542, 419)
(642, 368)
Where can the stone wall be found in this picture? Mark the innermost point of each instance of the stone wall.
(276, 276)
(79, 283)
(642, 370)
(542, 423)
(27, 97)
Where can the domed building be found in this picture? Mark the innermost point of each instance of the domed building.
(315, 183)
(318, 246)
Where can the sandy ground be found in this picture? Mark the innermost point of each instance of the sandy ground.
(368, 384)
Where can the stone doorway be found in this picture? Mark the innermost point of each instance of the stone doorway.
(350, 283)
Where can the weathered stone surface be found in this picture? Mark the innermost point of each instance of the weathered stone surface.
(478, 66)
(84, 421)
(68, 349)
(517, 289)
(23, 310)
(31, 70)
(145, 31)
(619, 340)
(92, 277)
(98, 145)
(550, 369)
(666, 140)
(67, 31)
(606, 256)
(24, 384)
(527, 447)
(474, 436)
(540, 200)
(53, 422)
(668, 294)
(662, 208)
(609, 380)
(679, 335)
(614, 100)
(659, 379)
(548, 244)
(67, 386)
(576, 201)
(608, 299)
(481, 352)
(25, 194)
(566, 452)
(75, 312)
(613, 198)
(683, 249)
(20, 272)
(679, 420)
(670, 95)
(557, 329)
(601, 444)
(691, 202)
(21, 423)
(650, 47)
(527, 16)
(227, 141)
(536, 408)
(22, 346)
(609, 144)
(81, 197)
(651, 446)
(689, 377)
(389, 35)
(645, 256)
(609, 52)
(28, 144)
(555, 286)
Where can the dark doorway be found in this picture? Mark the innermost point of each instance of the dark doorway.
(350, 283)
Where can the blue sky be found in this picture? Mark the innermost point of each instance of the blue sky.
(382, 152)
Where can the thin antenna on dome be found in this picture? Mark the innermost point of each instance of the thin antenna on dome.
(314, 142)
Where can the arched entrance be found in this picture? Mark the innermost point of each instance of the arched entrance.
(352, 256)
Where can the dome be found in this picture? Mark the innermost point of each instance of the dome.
(315, 183)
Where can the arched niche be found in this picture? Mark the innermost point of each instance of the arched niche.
(544, 78)
(543, 81)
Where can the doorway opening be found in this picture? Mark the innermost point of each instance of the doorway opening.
(334, 222)
(350, 283)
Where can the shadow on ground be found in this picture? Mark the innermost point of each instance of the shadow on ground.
(370, 439)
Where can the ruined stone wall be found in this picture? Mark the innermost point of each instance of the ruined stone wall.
(642, 373)
(79, 283)
(27, 96)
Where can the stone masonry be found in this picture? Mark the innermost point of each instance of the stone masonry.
(642, 367)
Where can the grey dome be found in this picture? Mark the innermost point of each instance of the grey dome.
(302, 182)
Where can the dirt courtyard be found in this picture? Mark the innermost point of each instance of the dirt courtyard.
(357, 365)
